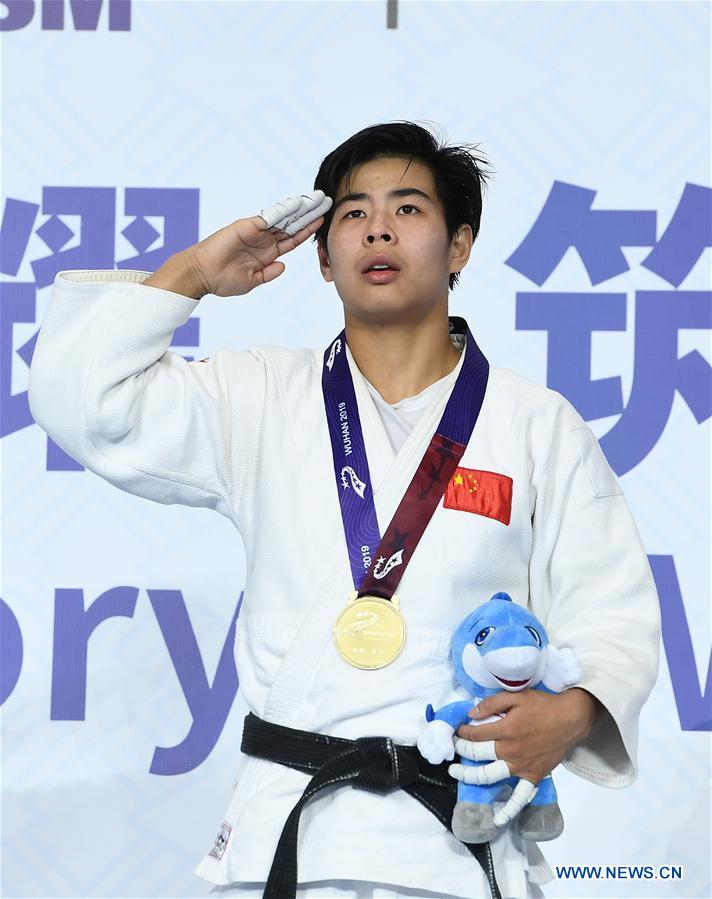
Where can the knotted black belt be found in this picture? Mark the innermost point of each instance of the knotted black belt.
(369, 763)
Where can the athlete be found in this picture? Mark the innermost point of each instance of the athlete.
(368, 434)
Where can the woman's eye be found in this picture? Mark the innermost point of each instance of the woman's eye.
(407, 208)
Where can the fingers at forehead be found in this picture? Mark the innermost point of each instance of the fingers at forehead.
(281, 215)
(478, 752)
(275, 214)
(523, 794)
(303, 218)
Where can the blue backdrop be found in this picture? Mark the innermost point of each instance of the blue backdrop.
(132, 128)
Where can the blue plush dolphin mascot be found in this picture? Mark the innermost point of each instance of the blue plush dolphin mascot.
(499, 646)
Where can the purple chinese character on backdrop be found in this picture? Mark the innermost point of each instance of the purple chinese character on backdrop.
(18, 220)
(179, 209)
(567, 220)
(96, 209)
(17, 304)
(570, 318)
(689, 233)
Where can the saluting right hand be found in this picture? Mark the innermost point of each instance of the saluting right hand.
(243, 255)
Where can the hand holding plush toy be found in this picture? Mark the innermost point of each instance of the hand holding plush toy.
(499, 646)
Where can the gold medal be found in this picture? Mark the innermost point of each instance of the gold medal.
(370, 632)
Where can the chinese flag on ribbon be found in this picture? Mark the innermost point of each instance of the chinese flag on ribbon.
(482, 492)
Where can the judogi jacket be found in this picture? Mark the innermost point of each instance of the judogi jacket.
(245, 433)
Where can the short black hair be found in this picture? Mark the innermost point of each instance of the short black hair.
(458, 171)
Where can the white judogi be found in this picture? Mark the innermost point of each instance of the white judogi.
(245, 433)
(400, 418)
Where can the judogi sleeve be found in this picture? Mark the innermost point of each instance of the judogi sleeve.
(592, 586)
(106, 388)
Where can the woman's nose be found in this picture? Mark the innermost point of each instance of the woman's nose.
(379, 226)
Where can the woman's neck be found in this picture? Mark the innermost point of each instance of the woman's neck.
(401, 361)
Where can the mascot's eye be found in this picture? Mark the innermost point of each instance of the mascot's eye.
(482, 636)
(535, 634)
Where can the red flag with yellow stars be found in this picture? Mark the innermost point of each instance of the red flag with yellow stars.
(482, 492)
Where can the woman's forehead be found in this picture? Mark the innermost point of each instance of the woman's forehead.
(384, 172)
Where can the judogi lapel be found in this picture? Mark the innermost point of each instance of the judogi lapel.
(391, 474)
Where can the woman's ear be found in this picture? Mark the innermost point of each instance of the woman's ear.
(324, 263)
(460, 248)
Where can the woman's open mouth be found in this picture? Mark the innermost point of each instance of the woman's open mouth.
(381, 276)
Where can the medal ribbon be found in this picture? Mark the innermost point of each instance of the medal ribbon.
(377, 565)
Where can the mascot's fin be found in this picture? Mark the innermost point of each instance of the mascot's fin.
(504, 596)
(429, 713)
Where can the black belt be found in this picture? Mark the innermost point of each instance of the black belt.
(370, 763)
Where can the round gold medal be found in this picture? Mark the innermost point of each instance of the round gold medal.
(370, 632)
